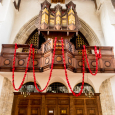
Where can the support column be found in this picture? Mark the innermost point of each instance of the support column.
(1, 83)
(112, 81)
(6, 96)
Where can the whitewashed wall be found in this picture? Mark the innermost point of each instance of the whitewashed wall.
(107, 18)
(6, 21)
(58, 75)
(85, 9)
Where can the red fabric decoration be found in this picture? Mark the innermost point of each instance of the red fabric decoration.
(96, 56)
(50, 70)
(14, 67)
(83, 61)
(66, 71)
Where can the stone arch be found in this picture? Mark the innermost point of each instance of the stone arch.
(106, 97)
(89, 34)
(29, 27)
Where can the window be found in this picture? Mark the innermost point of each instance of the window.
(36, 40)
(29, 86)
(57, 87)
(86, 87)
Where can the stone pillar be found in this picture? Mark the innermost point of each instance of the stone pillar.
(112, 81)
(1, 82)
(6, 97)
(106, 96)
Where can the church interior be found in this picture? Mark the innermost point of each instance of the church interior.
(57, 57)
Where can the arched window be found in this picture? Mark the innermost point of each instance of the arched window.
(87, 87)
(35, 39)
(57, 87)
(79, 40)
(29, 86)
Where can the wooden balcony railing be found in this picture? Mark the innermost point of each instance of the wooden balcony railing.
(43, 58)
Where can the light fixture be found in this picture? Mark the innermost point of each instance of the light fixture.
(89, 93)
(24, 91)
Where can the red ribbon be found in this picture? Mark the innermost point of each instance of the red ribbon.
(25, 70)
(66, 71)
(83, 60)
(50, 70)
(96, 56)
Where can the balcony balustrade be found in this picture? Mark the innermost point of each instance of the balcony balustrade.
(43, 58)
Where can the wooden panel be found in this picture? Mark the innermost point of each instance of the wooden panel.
(63, 101)
(91, 111)
(79, 101)
(90, 101)
(22, 111)
(35, 111)
(23, 102)
(80, 111)
(57, 1)
(6, 61)
(63, 110)
(36, 102)
(50, 101)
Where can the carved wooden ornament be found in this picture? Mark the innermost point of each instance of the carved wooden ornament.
(57, 18)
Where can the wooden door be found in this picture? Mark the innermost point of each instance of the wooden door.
(92, 111)
(91, 106)
(56, 104)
